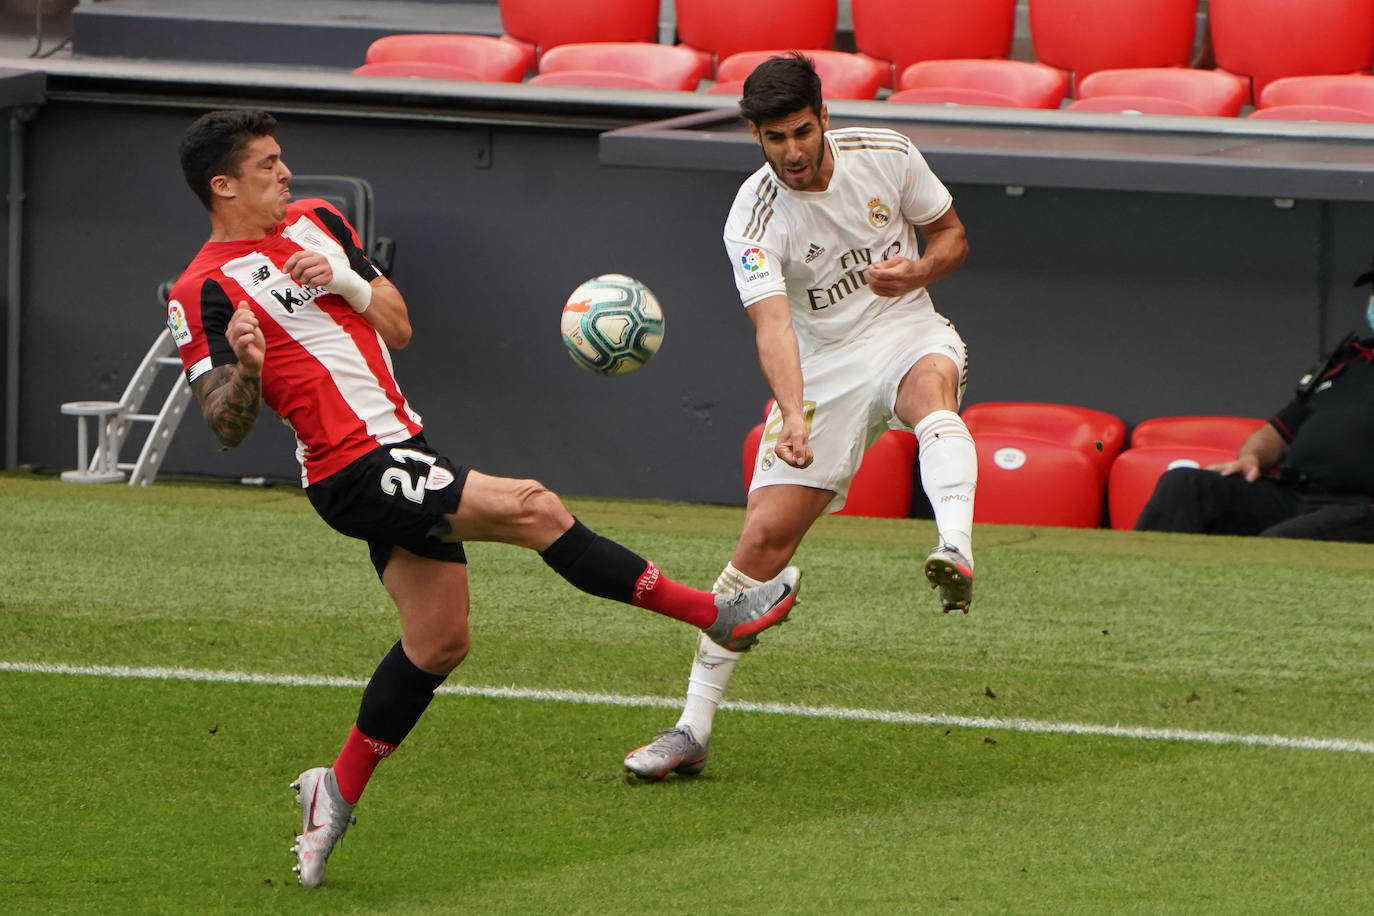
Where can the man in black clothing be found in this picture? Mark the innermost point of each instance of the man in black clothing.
(1308, 473)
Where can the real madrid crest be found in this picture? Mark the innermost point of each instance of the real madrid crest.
(878, 214)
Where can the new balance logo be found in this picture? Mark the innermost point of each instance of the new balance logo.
(814, 252)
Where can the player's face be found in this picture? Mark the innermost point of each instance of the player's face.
(796, 150)
(261, 187)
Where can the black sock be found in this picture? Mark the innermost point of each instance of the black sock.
(395, 697)
(594, 564)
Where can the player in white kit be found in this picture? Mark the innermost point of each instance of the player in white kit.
(823, 241)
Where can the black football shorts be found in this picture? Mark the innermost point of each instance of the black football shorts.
(395, 496)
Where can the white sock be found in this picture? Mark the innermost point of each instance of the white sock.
(712, 666)
(949, 474)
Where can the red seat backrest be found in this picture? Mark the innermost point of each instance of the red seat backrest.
(1136, 470)
(1226, 433)
(724, 27)
(901, 32)
(1099, 435)
(1268, 39)
(1089, 35)
(1025, 481)
(549, 23)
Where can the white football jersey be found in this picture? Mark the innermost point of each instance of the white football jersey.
(815, 246)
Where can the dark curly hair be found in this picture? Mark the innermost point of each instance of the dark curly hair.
(780, 86)
(214, 145)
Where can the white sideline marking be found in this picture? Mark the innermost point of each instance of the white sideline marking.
(891, 717)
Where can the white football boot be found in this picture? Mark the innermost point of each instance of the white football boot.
(325, 816)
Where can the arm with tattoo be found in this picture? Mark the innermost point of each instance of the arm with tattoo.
(230, 395)
(229, 401)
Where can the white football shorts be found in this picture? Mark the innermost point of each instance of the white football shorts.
(850, 391)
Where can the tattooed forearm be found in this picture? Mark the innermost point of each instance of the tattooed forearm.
(229, 403)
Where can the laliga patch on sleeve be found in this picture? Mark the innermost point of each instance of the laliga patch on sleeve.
(755, 262)
(176, 320)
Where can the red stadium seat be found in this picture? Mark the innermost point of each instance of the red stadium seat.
(1312, 113)
(600, 79)
(1135, 104)
(1026, 481)
(898, 33)
(657, 66)
(1347, 91)
(538, 25)
(1265, 40)
(1226, 433)
(1100, 436)
(491, 59)
(1085, 36)
(843, 75)
(730, 87)
(1136, 470)
(1029, 85)
(884, 483)
(1211, 92)
(715, 29)
(954, 96)
(416, 69)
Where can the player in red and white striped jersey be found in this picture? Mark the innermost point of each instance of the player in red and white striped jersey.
(282, 306)
(330, 377)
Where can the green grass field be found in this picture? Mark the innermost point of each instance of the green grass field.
(1125, 723)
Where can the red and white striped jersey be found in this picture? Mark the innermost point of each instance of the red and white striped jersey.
(327, 374)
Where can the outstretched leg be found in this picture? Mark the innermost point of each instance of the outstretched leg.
(525, 513)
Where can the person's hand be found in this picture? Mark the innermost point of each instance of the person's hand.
(245, 337)
(794, 445)
(894, 277)
(1246, 465)
(310, 268)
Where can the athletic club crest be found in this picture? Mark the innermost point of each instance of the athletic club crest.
(878, 214)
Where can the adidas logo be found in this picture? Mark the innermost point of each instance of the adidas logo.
(814, 252)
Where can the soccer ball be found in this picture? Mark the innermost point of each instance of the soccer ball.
(612, 324)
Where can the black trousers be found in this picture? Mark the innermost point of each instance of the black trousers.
(1204, 502)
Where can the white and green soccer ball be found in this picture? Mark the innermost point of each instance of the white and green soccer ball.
(612, 324)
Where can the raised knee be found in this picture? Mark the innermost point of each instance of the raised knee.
(537, 505)
(1181, 481)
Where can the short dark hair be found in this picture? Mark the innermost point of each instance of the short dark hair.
(214, 145)
(781, 86)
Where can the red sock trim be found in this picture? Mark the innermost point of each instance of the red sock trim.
(656, 592)
(357, 760)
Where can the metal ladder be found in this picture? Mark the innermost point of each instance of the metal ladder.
(116, 418)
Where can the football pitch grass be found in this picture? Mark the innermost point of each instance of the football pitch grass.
(1125, 723)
